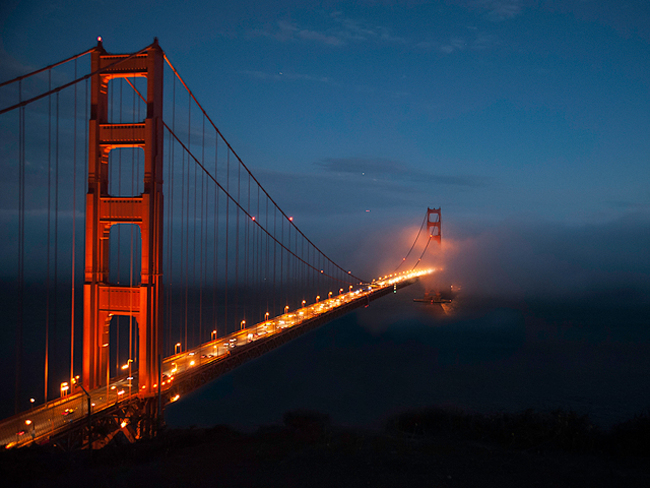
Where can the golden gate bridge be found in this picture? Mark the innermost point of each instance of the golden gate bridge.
(135, 222)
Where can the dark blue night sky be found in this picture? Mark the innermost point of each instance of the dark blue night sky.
(526, 121)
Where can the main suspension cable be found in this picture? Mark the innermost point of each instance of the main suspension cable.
(414, 243)
(250, 173)
(422, 255)
(63, 87)
(72, 58)
(239, 206)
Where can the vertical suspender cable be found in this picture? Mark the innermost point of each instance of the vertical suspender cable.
(259, 259)
(281, 265)
(187, 243)
(21, 246)
(275, 221)
(266, 261)
(201, 239)
(172, 146)
(181, 255)
(248, 238)
(205, 259)
(237, 246)
(74, 207)
(227, 240)
(168, 248)
(246, 228)
(168, 228)
(216, 234)
(49, 218)
(56, 222)
(189, 133)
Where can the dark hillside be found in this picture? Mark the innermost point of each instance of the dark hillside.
(432, 447)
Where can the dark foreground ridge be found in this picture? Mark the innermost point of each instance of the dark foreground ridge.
(434, 447)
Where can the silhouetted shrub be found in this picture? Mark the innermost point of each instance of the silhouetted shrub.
(309, 425)
(632, 437)
(523, 430)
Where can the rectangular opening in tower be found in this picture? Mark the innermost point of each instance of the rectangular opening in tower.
(123, 347)
(126, 172)
(125, 255)
(126, 100)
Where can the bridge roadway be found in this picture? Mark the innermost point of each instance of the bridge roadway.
(189, 369)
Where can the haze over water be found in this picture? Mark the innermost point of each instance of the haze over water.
(588, 354)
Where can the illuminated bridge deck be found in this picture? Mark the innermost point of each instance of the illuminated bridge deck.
(186, 371)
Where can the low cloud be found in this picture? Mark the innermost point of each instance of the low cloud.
(548, 260)
(516, 260)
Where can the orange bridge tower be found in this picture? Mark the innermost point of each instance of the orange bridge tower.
(102, 299)
(434, 226)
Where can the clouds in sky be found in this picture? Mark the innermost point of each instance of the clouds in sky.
(341, 30)
(496, 10)
(494, 108)
(395, 171)
(279, 76)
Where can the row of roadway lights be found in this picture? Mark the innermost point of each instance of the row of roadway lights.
(213, 336)
(177, 346)
(242, 324)
(65, 390)
(398, 274)
(65, 386)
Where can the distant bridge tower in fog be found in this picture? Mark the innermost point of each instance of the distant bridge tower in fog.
(434, 226)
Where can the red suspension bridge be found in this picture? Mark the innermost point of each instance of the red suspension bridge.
(141, 258)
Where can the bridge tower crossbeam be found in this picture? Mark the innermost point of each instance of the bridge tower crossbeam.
(102, 299)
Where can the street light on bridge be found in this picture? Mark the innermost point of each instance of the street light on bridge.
(286, 308)
(243, 325)
(177, 348)
(213, 336)
(317, 298)
(303, 302)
